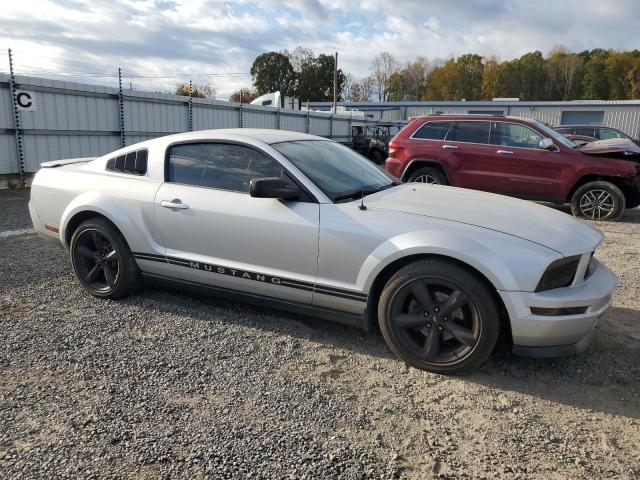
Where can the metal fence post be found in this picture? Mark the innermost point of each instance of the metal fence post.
(331, 126)
(240, 112)
(17, 124)
(190, 106)
(278, 118)
(308, 120)
(123, 140)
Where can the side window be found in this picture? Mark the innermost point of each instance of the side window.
(432, 131)
(605, 133)
(586, 131)
(219, 165)
(514, 135)
(470, 132)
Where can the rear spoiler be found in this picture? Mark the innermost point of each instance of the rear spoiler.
(68, 161)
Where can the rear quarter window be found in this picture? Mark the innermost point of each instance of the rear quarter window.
(432, 130)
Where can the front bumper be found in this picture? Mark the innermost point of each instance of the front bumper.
(541, 335)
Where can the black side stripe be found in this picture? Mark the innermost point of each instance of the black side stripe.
(255, 276)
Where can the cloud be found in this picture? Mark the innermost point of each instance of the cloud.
(188, 38)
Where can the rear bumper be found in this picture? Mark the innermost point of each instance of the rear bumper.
(38, 225)
(542, 335)
(394, 166)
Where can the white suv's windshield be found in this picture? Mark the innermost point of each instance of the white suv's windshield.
(338, 171)
(551, 133)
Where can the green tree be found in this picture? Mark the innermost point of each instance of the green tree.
(396, 87)
(594, 81)
(314, 80)
(531, 72)
(272, 72)
(471, 69)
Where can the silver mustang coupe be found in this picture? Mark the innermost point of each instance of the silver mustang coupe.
(300, 222)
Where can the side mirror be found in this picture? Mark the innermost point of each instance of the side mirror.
(547, 144)
(273, 188)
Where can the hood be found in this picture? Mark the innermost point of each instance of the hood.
(527, 220)
(618, 147)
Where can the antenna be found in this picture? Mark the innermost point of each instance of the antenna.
(362, 207)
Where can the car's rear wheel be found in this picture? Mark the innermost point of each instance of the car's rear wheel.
(102, 260)
(599, 200)
(438, 316)
(428, 175)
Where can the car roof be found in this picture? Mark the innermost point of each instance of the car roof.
(583, 125)
(473, 116)
(264, 135)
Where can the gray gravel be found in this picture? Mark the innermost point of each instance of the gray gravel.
(173, 385)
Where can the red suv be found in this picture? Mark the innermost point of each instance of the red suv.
(518, 157)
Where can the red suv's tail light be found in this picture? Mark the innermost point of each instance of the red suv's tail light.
(393, 148)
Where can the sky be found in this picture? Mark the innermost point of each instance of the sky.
(161, 43)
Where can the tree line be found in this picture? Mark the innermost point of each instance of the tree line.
(562, 75)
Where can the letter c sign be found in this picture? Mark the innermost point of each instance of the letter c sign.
(25, 100)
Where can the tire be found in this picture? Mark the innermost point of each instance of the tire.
(455, 310)
(598, 201)
(103, 261)
(377, 157)
(428, 175)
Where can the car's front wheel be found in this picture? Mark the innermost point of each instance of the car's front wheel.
(599, 200)
(102, 260)
(438, 316)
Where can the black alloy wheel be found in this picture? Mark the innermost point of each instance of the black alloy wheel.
(439, 317)
(435, 320)
(102, 260)
(96, 260)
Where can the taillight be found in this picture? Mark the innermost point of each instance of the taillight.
(393, 147)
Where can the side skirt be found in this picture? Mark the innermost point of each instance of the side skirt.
(261, 300)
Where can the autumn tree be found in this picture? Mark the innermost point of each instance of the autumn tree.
(197, 91)
(491, 79)
(244, 95)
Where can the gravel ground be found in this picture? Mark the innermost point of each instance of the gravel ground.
(174, 385)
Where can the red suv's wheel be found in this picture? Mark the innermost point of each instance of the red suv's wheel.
(428, 175)
(598, 201)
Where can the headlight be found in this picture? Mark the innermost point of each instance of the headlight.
(559, 274)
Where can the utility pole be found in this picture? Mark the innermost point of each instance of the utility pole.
(335, 83)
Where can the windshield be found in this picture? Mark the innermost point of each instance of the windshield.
(335, 169)
(551, 133)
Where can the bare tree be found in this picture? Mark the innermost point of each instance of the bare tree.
(415, 76)
(383, 66)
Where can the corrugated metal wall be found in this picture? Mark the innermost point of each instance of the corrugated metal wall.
(78, 120)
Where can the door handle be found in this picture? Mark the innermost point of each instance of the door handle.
(449, 147)
(175, 203)
(504, 152)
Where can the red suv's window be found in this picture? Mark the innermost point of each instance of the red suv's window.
(432, 131)
(470, 132)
